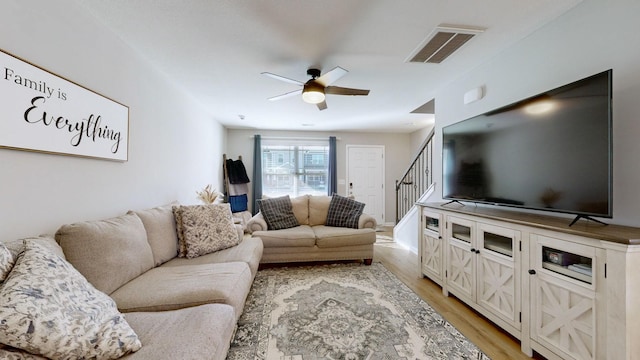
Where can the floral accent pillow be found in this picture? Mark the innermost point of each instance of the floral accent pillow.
(344, 212)
(203, 229)
(6, 262)
(278, 213)
(10, 353)
(48, 308)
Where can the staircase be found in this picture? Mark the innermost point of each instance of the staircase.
(416, 184)
(416, 180)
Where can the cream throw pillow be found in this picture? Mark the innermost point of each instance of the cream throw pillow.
(48, 308)
(6, 262)
(203, 229)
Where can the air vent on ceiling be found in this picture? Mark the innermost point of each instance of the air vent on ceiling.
(442, 42)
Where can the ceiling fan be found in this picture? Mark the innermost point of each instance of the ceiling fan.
(314, 90)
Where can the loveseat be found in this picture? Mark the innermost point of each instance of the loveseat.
(313, 228)
(172, 292)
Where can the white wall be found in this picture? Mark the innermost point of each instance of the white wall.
(175, 147)
(397, 155)
(417, 139)
(594, 36)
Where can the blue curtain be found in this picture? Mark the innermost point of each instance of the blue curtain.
(333, 175)
(257, 173)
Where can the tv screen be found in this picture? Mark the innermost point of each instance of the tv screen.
(551, 152)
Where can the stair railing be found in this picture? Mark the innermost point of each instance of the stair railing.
(416, 180)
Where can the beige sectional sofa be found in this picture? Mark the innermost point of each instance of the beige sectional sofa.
(179, 308)
(312, 239)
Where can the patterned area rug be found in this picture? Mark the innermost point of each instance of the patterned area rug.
(342, 311)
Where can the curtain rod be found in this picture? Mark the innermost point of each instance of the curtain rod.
(292, 138)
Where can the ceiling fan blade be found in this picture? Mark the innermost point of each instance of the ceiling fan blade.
(322, 105)
(286, 95)
(282, 78)
(331, 76)
(337, 90)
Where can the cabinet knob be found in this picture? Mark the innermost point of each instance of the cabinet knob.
(478, 251)
(473, 250)
(532, 272)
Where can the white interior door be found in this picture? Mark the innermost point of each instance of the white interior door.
(365, 177)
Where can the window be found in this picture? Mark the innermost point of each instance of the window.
(293, 169)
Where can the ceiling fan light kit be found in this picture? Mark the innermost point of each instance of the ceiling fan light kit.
(314, 90)
(313, 93)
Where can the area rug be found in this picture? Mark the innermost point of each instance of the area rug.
(342, 311)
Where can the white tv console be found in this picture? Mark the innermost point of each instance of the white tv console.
(565, 292)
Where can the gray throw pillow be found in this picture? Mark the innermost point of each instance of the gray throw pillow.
(278, 213)
(344, 212)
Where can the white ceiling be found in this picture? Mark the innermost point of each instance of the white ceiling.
(215, 51)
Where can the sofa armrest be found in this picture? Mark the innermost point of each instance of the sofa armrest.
(240, 230)
(367, 221)
(256, 223)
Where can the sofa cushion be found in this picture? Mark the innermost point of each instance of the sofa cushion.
(205, 229)
(318, 208)
(278, 212)
(302, 235)
(160, 226)
(300, 206)
(344, 212)
(48, 308)
(195, 333)
(6, 262)
(108, 252)
(175, 287)
(248, 250)
(331, 237)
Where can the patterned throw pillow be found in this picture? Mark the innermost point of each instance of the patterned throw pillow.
(48, 308)
(11, 353)
(278, 213)
(344, 212)
(6, 262)
(203, 229)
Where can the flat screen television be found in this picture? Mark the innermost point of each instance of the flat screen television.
(552, 151)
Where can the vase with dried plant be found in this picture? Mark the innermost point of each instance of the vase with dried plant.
(208, 195)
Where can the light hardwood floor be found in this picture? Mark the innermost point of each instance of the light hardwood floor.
(490, 339)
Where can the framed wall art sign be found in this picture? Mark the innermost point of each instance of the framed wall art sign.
(42, 112)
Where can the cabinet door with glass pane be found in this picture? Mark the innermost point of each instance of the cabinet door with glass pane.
(498, 272)
(432, 249)
(563, 288)
(461, 259)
